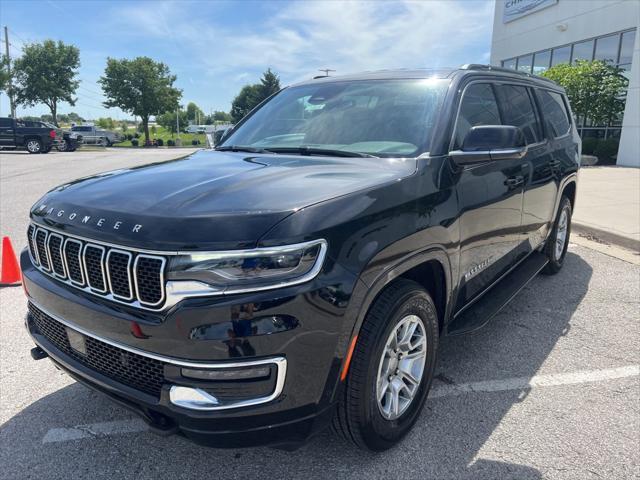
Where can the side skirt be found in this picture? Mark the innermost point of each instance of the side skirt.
(482, 311)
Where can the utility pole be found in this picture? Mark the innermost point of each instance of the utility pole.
(10, 89)
(326, 71)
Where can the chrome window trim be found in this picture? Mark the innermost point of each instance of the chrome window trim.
(162, 279)
(80, 262)
(84, 262)
(130, 255)
(279, 361)
(48, 245)
(48, 270)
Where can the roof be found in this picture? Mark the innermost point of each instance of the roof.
(432, 73)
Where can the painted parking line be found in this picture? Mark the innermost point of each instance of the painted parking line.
(136, 425)
(523, 383)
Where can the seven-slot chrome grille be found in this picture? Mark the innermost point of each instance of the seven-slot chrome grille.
(119, 274)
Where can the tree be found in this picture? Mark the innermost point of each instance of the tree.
(168, 120)
(194, 113)
(269, 84)
(75, 118)
(4, 74)
(252, 95)
(596, 90)
(106, 123)
(46, 73)
(219, 116)
(141, 87)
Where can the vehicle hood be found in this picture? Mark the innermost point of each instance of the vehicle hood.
(208, 200)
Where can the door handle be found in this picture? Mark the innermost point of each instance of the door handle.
(513, 182)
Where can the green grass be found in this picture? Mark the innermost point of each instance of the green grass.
(165, 135)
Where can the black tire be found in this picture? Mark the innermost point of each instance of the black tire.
(555, 255)
(34, 145)
(63, 146)
(358, 417)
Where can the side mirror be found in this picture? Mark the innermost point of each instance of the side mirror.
(491, 142)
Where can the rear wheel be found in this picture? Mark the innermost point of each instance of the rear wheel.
(557, 243)
(34, 145)
(391, 368)
(63, 146)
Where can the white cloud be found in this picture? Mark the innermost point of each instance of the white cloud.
(349, 37)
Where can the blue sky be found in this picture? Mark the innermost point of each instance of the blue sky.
(216, 47)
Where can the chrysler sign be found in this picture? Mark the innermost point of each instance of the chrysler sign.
(519, 8)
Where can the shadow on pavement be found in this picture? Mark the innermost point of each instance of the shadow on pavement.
(446, 442)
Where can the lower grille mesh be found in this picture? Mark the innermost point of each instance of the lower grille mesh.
(136, 371)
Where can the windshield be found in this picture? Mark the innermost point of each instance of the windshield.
(385, 118)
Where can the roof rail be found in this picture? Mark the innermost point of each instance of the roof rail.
(492, 68)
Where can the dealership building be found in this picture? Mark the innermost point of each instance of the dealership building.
(532, 35)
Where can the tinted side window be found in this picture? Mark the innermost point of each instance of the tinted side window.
(6, 122)
(518, 110)
(554, 112)
(478, 107)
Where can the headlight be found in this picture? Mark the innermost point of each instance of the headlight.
(256, 269)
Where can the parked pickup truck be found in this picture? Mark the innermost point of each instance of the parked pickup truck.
(16, 135)
(94, 135)
(304, 272)
(66, 141)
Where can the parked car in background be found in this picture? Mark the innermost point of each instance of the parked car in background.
(95, 136)
(16, 135)
(66, 140)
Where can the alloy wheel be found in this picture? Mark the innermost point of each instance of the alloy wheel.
(561, 234)
(401, 367)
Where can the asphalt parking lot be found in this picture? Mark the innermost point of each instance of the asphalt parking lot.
(549, 389)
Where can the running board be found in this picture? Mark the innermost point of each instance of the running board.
(478, 314)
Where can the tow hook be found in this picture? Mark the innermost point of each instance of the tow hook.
(38, 354)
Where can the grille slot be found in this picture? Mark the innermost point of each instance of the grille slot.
(73, 260)
(120, 275)
(55, 254)
(93, 258)
(41, 247)
(148, 276)
(32, 244)
(136, 371)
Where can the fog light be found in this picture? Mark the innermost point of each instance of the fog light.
(218, 374)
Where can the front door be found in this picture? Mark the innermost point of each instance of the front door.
(490, 197)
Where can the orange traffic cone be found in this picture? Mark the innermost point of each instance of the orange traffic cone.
(10, 274)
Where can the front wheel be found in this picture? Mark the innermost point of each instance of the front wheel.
(34, 145)
(556, 247)
(391, 368)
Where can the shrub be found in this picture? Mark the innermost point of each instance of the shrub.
(134, 142)
(170, 143)
(589, 145)
(159, 142)
(129, 136)
(136, 135)
(195, 141)
(607, 150)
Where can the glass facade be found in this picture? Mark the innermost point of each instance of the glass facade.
(616, 49)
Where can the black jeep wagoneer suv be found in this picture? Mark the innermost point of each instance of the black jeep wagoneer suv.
(303, 272)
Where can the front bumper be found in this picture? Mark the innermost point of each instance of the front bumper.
(306, 329)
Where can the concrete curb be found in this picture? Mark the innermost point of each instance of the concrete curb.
(606, 236)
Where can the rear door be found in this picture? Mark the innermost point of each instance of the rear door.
(7, 133)
(490, 197)
(518, 108)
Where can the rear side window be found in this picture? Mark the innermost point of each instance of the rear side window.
(478, 107)
(6, 122)
(518, 110)
(554, 112)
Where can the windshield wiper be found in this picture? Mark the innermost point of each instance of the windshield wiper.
(328, 152)
(242, 148)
